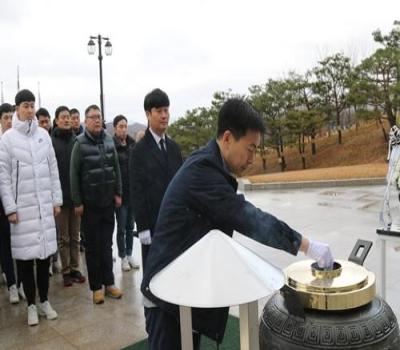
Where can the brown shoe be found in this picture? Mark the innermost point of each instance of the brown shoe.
(113, 292)
(98, 296)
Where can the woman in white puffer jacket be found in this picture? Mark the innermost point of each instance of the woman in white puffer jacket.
(31, 195)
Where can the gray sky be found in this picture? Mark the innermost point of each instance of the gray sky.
(188, 48)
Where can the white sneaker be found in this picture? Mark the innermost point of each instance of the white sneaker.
(45, 309)
(33, 318)
(14, 298)
(132, 262)
(125, 264)
(21, 292)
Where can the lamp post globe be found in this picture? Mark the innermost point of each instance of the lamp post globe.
(108, 48)
(91, 47)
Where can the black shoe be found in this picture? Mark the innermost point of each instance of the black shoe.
(67, 280)
(77, 277)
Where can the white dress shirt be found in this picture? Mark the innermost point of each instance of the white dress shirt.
(158, 138)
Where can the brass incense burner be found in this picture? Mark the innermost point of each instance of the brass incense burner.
(335, 309)
(347, 286)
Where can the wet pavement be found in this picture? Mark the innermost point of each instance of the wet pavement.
(338, 216)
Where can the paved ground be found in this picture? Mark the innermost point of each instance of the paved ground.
(338, 216)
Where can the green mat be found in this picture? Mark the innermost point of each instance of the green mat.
(231, 339)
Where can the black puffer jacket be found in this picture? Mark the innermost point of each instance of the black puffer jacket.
(63, 141)
(123, 158)
(94, 171)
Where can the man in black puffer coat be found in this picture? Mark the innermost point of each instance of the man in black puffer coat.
(95, 191)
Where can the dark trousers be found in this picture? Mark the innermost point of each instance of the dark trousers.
(98, 225)
(6, 261)
(145, 252)
(164, 331)
(28, 279)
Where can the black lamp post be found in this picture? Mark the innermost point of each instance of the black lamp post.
(108, 51)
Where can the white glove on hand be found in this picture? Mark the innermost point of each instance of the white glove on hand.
(145, 237)
(321, 252)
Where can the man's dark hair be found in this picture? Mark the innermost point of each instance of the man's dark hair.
(238, 116)
(155, 99)
(96, 107)
(6, 108)
(59, 110)
(42, 112)
(73, 111)
(24, 96)
(118, 118)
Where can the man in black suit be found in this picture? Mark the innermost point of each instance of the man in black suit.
(154, 161)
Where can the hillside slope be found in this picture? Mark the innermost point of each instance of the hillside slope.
(363, 146)
(361, 171)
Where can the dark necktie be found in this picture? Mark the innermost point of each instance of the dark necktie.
(163, 150)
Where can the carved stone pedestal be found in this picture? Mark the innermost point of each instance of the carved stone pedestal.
(373, 326)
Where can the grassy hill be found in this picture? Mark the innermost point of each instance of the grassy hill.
(363, 146)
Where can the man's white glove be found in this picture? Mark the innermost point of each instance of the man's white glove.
(145, 237)
(321, 252)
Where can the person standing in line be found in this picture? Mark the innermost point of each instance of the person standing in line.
(124, 214)
(44, 119)
(31, 194)
(95, 192)
(154, 161)
(6, 113)
(68, 224)
(7, 265)
(77, 128)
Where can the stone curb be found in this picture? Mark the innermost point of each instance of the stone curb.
(246, 185)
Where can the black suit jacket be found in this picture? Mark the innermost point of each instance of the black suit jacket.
(150, 174)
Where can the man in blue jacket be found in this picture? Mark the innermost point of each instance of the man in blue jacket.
(202, 197)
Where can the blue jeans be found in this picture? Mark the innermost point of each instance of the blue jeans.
(125, 222)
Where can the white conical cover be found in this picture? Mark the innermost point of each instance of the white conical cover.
(216, 272)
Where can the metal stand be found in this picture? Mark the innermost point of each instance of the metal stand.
(249, 328)
(185, 316)
(384, 236)
(248, 319)
(382, 280)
